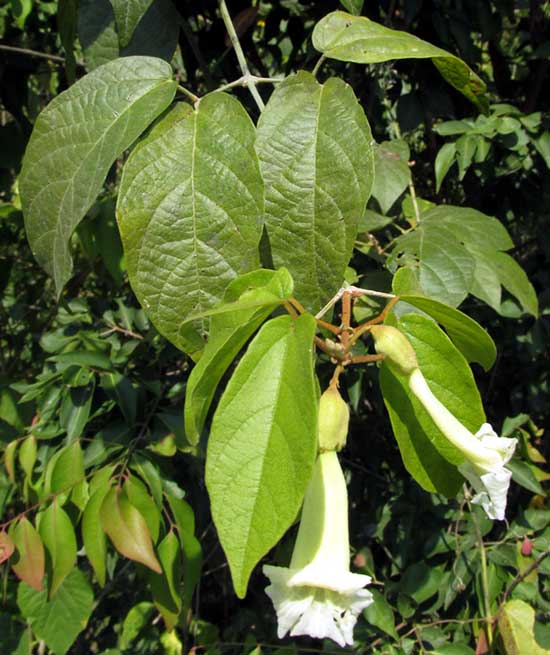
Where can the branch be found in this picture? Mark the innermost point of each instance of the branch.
(250, 82)
(521, 576)
(32, 53)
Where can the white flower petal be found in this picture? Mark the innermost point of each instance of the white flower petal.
(491, 488)
(341, 581)
(313, 609)
(504, 446)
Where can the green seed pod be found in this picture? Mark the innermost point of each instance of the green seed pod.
(333, 420)
(392, 343)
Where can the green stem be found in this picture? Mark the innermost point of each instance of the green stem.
(318, 65)
(188, 93)
(240, 55)
(484, 576)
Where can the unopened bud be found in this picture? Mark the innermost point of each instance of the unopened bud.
(392, 343)
(333, 420)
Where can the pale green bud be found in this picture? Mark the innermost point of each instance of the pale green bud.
(392, 343)
(333, 420)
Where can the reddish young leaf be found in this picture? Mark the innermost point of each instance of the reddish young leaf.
(29, 565)
(127, 529)
(6, 546)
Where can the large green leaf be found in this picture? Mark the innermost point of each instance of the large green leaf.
(459, 250)
(258, 293)
(356, 38)
(315, 149)
(467, 335)
(74, 143)
(263, 442)
(58, 535)
(58, 621)
(190, 213)
(428, 456)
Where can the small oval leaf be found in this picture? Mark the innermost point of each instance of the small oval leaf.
(30, 563)
(93, 536)
(57, 533)
(127, 529)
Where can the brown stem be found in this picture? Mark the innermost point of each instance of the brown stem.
(521, 576)
(364, 359)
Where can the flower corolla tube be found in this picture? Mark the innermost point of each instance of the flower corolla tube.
(317, 595)
(486, 453)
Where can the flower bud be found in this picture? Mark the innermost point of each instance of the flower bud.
(392, 343)
(333, 420)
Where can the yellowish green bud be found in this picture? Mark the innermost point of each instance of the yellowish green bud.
(392, 343)
(333, 421)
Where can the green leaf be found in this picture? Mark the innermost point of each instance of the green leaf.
(465, 150)
(93, 536)
(190, 545)
(29, 564)
(315, 149)
(253, 297)
(84, 358)
(99, 39)
(523, 475)
(357, 39)
(421, 581)
(68, 469)
(443, 162)
(136, 620)
(428, 456)
(514, 279)
(186, 237)
(263, 443)
(467, 335)
(516, 622)
(58, 621)
(355, 7)
(166, 586)
(542, 144)
(9, 459)
(57, 533)
(75, 140)
(27, 455)
(75, 410)
(127, 16)
(139, 497)
(20, 10)
(445, 268)
(392, 174)
(380, 614)
(127, 529)
(121, 390)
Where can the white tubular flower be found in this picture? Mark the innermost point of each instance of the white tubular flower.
(317, 595)
(486, 453)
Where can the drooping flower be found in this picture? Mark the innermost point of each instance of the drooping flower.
(486, 453)
(317, 595)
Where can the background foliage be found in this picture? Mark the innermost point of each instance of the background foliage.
(88, 381)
